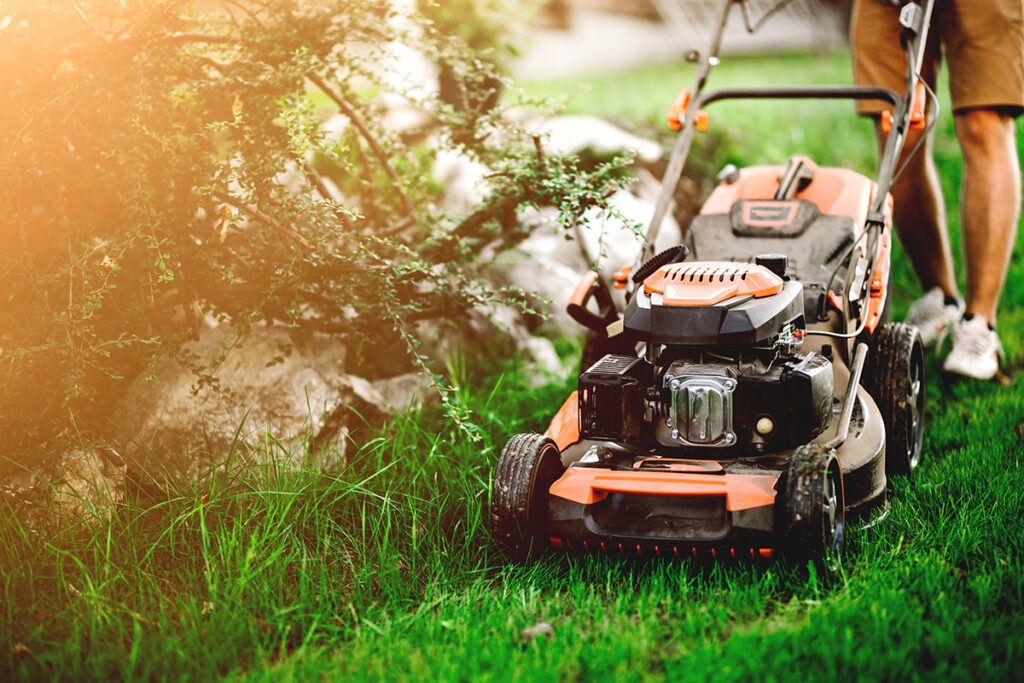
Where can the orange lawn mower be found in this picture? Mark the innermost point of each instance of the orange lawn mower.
(752, 396)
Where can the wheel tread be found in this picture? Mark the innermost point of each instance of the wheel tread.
(515, 514)
(894, 348)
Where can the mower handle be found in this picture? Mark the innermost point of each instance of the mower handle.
(591, 286)
(805, 92)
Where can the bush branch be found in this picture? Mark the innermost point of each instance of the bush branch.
(263, 218)
(357, 121)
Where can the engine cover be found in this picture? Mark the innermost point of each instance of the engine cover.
(720, 405)
(744, 318)
(702, 410)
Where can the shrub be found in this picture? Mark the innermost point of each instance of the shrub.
(160, 167)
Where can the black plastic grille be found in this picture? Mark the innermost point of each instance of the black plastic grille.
(611, 399)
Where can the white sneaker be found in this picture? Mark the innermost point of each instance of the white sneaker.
(933, 317)
(976, 350)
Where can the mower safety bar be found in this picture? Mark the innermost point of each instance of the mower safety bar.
(815, 92)
(682, 146)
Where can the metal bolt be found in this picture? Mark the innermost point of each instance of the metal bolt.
(675, 385)
(675, 433)
(730, 384)
(730, 438)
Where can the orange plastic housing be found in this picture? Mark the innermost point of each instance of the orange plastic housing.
(876, 297)
(836, 191)
(589, 485)
(579, 294)
(710, 282)
(564, 429)
(621, 276)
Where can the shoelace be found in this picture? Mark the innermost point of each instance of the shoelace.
(927, 308)
(976, 340)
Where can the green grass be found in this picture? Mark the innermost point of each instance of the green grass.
(387, 572)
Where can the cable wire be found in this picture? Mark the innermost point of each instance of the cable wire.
(754, 27)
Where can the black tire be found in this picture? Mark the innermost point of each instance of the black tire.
(896, 382)
(813, 510)
(528, 466)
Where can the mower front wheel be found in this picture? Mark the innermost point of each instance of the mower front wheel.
(814, 508)
(528, 466)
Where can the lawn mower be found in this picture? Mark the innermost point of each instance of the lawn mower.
(751, 397)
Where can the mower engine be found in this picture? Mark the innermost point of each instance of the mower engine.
(721, 369)
(750, 408)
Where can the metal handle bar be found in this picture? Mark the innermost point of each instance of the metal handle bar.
(818, 92)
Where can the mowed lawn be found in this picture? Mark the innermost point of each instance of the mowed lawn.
(388, 572)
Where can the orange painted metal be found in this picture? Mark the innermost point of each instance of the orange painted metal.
(835, 191)
(709, 282)
(588, 485)
(673, 465)
(835, 301)
(564, 429)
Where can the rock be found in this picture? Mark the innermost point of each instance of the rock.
(401, 116)
(89, 485)
(547, 263)
(531, 633)
(551, 263)
(574, 133)
(545, 364)
(269, 381)
(613, 238)
(462, 178)
(409, 391)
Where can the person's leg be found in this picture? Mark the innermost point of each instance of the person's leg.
(990, 204)
(920, 217)
(919, 211)
(919, 214)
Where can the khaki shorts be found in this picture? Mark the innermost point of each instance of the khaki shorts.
(983, 42)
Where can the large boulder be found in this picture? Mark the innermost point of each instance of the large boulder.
(269, 382)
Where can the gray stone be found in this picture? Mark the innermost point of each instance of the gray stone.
(571, 134)
(89, 485)
(408, 391)
(551, 261)
(269, 382)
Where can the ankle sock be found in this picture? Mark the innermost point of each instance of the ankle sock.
(970, 316)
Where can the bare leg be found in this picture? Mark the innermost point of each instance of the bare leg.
(920, 217)
(990, 204)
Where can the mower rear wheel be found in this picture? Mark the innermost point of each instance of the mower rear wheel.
(814, 508)
(896, 382)
(528, 466)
